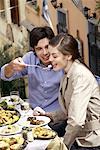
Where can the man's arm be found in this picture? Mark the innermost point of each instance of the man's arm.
(8, 71)
(14, 66)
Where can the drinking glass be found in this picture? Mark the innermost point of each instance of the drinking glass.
(14, 97)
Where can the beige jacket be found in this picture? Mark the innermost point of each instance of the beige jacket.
(80, 102)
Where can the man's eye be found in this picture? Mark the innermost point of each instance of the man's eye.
(46, 46)
(39, 48)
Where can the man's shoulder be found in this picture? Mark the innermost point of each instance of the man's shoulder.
(29, 55)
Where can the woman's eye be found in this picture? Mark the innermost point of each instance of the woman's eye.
(54, 56)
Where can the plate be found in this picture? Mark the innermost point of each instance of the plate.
(8, 100)
(43, 120)
(10, 130)
(8, 117)
(12, 142)
(43, 133)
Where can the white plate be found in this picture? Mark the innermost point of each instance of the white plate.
(9, 102)
(6, 98)
(24, 122)
(10, 130)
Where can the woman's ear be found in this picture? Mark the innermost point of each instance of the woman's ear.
(69, 57)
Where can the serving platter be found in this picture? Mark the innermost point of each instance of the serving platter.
(8, 117)
(10, 130)
(43, 133)
(15, 101)
(12, 142)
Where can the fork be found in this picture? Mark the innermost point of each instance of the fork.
(44, 68)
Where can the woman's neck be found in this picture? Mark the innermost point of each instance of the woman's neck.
(68, 66)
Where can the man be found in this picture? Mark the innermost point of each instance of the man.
(43, 83)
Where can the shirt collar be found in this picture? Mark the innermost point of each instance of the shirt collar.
(72, 67)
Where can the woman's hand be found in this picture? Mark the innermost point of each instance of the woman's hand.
(49, 114)
(38, 111)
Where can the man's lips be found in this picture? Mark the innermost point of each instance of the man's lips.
(45, 58)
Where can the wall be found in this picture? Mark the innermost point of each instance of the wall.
(78, 21)
(1, 4)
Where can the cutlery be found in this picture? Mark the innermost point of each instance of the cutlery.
(44, 68)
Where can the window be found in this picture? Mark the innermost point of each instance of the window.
(62, 25)
(76, 2)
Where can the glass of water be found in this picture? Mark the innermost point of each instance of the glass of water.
(14, 97)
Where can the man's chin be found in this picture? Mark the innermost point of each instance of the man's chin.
(46, 62)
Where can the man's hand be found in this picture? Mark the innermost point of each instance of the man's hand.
(14, 66)
(17, 64)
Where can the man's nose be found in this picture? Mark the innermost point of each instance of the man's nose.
(45, 51)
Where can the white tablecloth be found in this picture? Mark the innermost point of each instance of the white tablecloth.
(36, 144)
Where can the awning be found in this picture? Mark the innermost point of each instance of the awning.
(28, 25)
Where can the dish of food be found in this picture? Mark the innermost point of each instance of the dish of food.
(10, 101)
(12, 143)
(10, 130)
(43, 133)
(8, 117)
(34, 121)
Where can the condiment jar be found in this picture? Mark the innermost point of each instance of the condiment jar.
(25, 106)
(29, 135)
(24, 132)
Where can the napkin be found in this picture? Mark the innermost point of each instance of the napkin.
(56, 144)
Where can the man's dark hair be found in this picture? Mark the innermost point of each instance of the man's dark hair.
(39, 33)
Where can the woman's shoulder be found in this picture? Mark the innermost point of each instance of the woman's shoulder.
(81, 70)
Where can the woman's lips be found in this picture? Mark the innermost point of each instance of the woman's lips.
(54, 65)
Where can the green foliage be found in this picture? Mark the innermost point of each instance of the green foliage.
(97, 5)
(97, 8)
(7, 86)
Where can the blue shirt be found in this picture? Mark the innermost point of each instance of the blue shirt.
(43, 84)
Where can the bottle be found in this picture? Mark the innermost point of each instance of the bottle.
(30, 135)
(24, 132)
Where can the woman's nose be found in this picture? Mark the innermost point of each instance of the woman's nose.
(50, 58)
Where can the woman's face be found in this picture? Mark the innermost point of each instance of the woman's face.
(57, 59)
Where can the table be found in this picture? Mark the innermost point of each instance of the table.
(36, 144)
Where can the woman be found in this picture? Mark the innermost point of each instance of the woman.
(79, 95)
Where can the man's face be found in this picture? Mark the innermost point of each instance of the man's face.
(42, 51)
